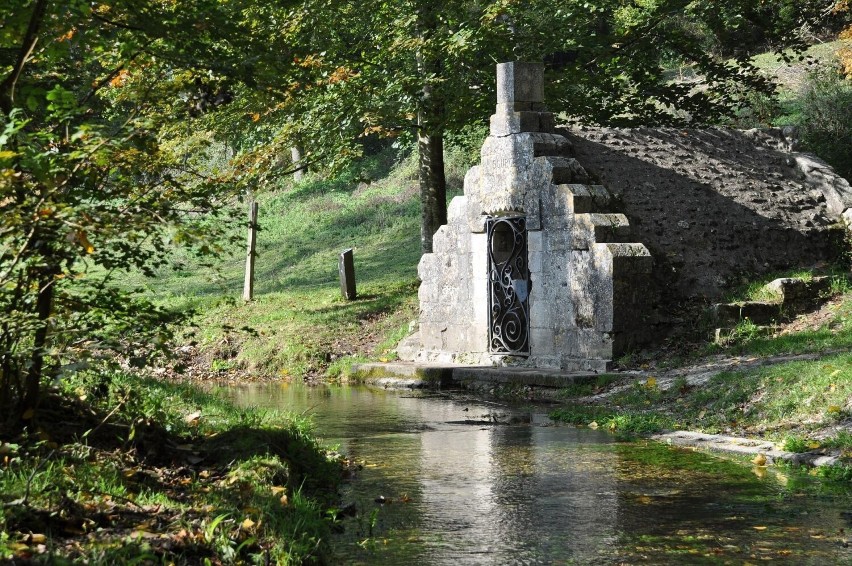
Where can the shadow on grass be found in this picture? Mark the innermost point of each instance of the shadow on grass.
(308, 467)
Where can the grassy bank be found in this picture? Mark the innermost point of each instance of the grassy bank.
(121, 469)
(802, 404)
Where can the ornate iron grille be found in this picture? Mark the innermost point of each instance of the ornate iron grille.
(508, 285)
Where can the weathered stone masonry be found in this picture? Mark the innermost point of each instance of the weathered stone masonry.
(586, 280)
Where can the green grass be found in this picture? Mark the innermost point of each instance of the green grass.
(787, 402)
(835, 334)
(116, 468)
(298, 324)
(792, 76)
(753, 287)
(601, 382)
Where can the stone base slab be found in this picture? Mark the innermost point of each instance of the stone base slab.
(745, 447)
(415, 375)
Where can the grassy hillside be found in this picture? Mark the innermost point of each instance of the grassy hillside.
(298, 323)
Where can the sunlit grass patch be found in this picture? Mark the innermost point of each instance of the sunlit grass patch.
(633, 421)
(298, 324)
(786, 401)
(834, 334)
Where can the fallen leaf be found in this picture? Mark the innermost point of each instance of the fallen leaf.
(83, 240)
(760, 528)
(247, 524)
(593, 425)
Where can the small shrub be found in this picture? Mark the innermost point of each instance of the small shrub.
(796, 444)
(826, 127)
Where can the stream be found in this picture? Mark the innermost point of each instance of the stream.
(452, 479)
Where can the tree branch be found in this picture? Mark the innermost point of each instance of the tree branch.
(121, 25)
(7, 88)
(101, 83)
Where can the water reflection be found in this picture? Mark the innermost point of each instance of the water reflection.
(461, 484)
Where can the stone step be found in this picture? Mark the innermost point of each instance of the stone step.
(600, 228)
(532, 377)
(728, 315)
(790, 296)
(581, 199)
(566, 170)
(799, 293)
(549, 145)
(418, 375)
(404, 374)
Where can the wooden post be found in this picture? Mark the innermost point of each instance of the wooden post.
(248, 287)
(346, 266)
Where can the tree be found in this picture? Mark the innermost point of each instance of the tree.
(415, 69)
(90, 184)
(412, 68)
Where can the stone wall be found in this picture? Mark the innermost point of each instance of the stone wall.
(716, 207)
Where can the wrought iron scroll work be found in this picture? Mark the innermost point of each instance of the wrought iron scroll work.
(508, 286)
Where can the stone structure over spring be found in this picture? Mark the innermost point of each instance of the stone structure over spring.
(532, 269)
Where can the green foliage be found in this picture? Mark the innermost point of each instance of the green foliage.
(301, 325)
(796, 444)
(617, 62)
(87, 188)
(743, 26)
(633, 421)
(826, 118)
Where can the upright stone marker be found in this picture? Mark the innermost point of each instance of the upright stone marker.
(346, 266)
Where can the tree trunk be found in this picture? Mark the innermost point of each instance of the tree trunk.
(296, 155)
(430, 133)
(25, 51)
(433, 186)
(44, 308)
